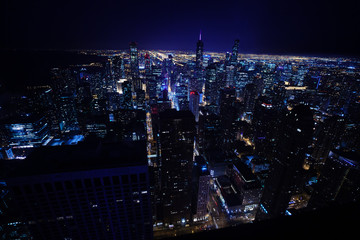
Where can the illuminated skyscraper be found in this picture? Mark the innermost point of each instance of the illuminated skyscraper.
(199, 53)
(200, 185)
(197, 81)
(147, 63)
(234, 54)
(211, 87)
(177, 131)
(134, 66)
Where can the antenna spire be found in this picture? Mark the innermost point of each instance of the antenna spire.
(200, 36)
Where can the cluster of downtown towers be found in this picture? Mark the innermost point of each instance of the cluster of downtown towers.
(269, 136)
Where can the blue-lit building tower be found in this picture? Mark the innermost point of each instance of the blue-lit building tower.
(211, 86)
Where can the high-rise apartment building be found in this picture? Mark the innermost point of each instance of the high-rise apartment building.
(339, 181)
(177, 131)
(286, 173)
(89, 191)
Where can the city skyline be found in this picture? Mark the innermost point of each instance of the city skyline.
(153, 144)
(277, 27)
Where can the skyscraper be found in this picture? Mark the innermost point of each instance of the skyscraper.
(199, 53)
(147, 63)
(194, 100)
(227, 115)
(211, 88)
(177, 131)
(286, 173)
(197, 81)
(134, 66)
(339, 180)
(200, 185)
(327, 136)
(89, 191)
(234, 54)
(249, 97)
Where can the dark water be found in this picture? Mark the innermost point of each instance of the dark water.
(23, 68)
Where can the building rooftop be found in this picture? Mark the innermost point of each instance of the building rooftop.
(84, 156)
(173, 114)
(231, 197)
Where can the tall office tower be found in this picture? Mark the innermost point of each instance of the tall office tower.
(278, 96)
(259, 83)
(177, 131)
(126, 95)
(211, 88)
(118, 68)
(201, 187)
(134, 66)
(197, 81)
(339, 181)
(64, 85)
(194, 100)
(42, 103)
(264, 126)
(242, 80)
(230, 76)
(227, 115)
(89, 191)
(286, 171)
(234, 54)
(227, 59)
(67, 112)
(249, 97)
(147, 63)
(327, 137)
(199, 53)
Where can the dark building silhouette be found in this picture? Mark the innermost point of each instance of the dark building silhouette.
(286, 171)
(177, 132)
(227, 115)
(265, 127)
(89, 191)
(327, 137)
(250, 95)
(339, 181)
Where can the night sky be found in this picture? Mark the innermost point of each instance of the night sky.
(286, 27)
